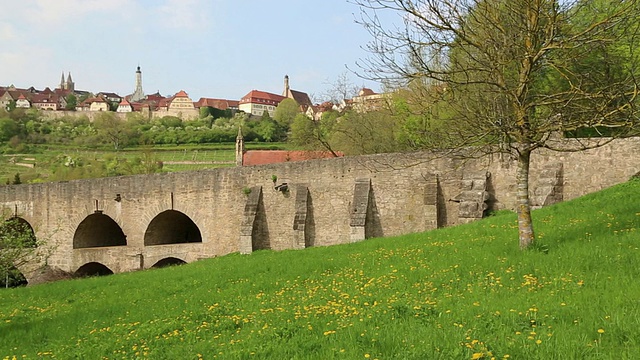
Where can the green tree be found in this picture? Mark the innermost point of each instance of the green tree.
(11, 106)
(313, 134)
(8, 129)
(267, 128)
(72, 102)
(286, 112)
(515, 72)
(112, 129)
(372, 132)
(18, 246)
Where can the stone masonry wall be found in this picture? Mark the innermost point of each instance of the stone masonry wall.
(400, 201)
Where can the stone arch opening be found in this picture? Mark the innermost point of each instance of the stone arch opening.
(93, 269)
(13, 278)
(170, 261)
(98, 230)
(16, 232)
(172, 227)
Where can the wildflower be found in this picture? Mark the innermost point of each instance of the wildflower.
(600, 331)
(538, 341)
(367, 356)
(476, 356)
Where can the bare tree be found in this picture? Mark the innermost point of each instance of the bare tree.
(513, 74)
(341, 89)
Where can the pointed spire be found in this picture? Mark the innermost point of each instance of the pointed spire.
(62, 81)
(138, 93)
(285, 93)
(69, 81)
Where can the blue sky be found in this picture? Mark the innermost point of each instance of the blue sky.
(209, 48)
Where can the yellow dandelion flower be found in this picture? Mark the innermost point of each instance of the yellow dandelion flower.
(600, 331)
(367, 356)
(477, 356)
(538, 341)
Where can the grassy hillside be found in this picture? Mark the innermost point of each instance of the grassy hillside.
(458, 293)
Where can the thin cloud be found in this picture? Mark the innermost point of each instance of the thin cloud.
(22, 66)
(48, 13)
(184, 14)
(7, 32)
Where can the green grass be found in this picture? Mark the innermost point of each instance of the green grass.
(175, 158)
(458, 293)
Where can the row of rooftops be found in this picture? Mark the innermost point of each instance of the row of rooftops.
(154, 102)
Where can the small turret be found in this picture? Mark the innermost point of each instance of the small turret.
(239, 147)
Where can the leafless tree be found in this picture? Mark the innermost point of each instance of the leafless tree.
(513, 74)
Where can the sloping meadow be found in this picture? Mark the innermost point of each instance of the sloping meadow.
(465, 292)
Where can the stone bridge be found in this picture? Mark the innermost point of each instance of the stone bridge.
(119, 224)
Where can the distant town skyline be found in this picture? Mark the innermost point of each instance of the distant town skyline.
(208, 48)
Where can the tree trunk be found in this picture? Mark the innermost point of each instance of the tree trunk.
(525, 226)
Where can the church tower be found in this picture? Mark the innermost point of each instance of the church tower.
(285, 93)
(70, 85)
(138, 94)
(62, 84)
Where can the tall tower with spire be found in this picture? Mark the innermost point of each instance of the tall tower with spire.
(70, 85)
(67, 84)
(138, 94)
(285, 93)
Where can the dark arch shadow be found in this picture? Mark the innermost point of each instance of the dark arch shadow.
(171, 227)
(93, 269)
(18, 233)
(98, 230)
(170, 261)
(12, 279)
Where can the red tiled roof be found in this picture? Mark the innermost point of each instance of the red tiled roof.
(62, 92)
(92, 100)
(366, 92)
(301, 98)
(181, 93)
(221, 104)
(124, 102)
(325, 106)
(262, 157)
(164, 102)
(140, 106)
(155, 97)
(44, 98)
(255, 95)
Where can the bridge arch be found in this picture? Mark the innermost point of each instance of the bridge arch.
(98, 230)
(93, 269)
(14, 278)
(19, 230)
(169, 261)
(172, 227)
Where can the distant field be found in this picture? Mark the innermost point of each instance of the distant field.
(40, 163)
(465, 292)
